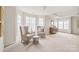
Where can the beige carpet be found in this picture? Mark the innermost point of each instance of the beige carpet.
(60, 42)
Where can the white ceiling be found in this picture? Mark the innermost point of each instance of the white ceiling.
(58, 10)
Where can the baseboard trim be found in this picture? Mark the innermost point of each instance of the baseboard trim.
(9, 44)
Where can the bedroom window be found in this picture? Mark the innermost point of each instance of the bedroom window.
(27, 21)
(55, 23)
(60, 24)
(31, 23)
(66, 24)
(41, 22)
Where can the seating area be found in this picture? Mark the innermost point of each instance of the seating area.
(26, 36)
(33, 28)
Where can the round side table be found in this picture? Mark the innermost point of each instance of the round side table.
(35, 39)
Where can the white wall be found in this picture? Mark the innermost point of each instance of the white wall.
(1, 44)
(9, 25)
(75, 28)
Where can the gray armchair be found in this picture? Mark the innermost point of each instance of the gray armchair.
(40, 31)
(25, 36)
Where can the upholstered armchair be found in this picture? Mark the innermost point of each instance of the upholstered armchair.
(40, 31)
(25, 36)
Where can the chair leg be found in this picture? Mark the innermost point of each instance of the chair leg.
(27, 42)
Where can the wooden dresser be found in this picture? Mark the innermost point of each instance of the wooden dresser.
(52, 30)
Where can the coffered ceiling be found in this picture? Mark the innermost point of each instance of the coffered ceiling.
(49, 10)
